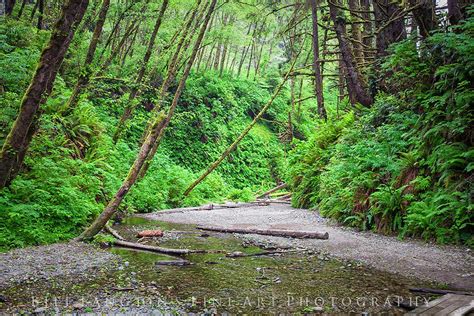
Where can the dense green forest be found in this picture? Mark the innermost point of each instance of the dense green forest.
(367, 111)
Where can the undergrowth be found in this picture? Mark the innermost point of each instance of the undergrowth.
(405, 165)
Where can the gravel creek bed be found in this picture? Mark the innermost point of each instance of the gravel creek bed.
(82, 278)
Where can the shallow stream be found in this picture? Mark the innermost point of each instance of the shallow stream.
(294, 281)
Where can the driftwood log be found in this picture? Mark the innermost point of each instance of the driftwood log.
(150, 233)
(269, 232)
(239, 254)
(279, 187)
(113, 232)
(438, 291)
(275, 201)
(178, 263)
(167, 251)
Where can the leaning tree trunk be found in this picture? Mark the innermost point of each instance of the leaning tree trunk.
(244, 133)
(318, 79)
(85, 74)
(156, 131)
(354, 82)
(36, 94)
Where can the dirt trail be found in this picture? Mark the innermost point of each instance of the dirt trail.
(450, 265)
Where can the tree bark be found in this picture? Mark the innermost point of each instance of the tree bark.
(84, 76)
(22, 8)
(9, 5)
(456, 10)
(168, 251)
(40, 14)
(356, 34)
(267, 193)
(389, 31)
(267, 232)
(244, 53)
(223, 59)
(425, 16)
(33, 12)
(318, 80)
(156, 131)
(354, 82)
(367, 36)
(43, 79)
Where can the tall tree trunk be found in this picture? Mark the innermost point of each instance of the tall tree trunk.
(367, 36)
(244, 53)
(84, 76)
(200, 57)
(252, 51)
(258, 60)
(425, 16)
(389, 31)
(234, 59)
(141, 73)
(354, 82)
(33, 12)
(22, 8)
(45, 74)
(223, 59)
(40, 14)
(159, 125)
(9, 5)
(217, 56)
(356, 33)
(128, 50)
(457, 10)
(318, 79)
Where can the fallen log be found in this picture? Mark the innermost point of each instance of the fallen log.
(279, 187)
(284, 197)
(239, 254)
(438, 291)
(268, 232)
(277, 195)
(168, 251)
(210, 207)
(179, 263)
(113, 232)
(121, 289)
(274, 201)
(150, 233)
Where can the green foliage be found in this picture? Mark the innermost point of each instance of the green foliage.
(73, 169)
(406, 164)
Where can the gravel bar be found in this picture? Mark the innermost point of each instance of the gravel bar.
(450, 265)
